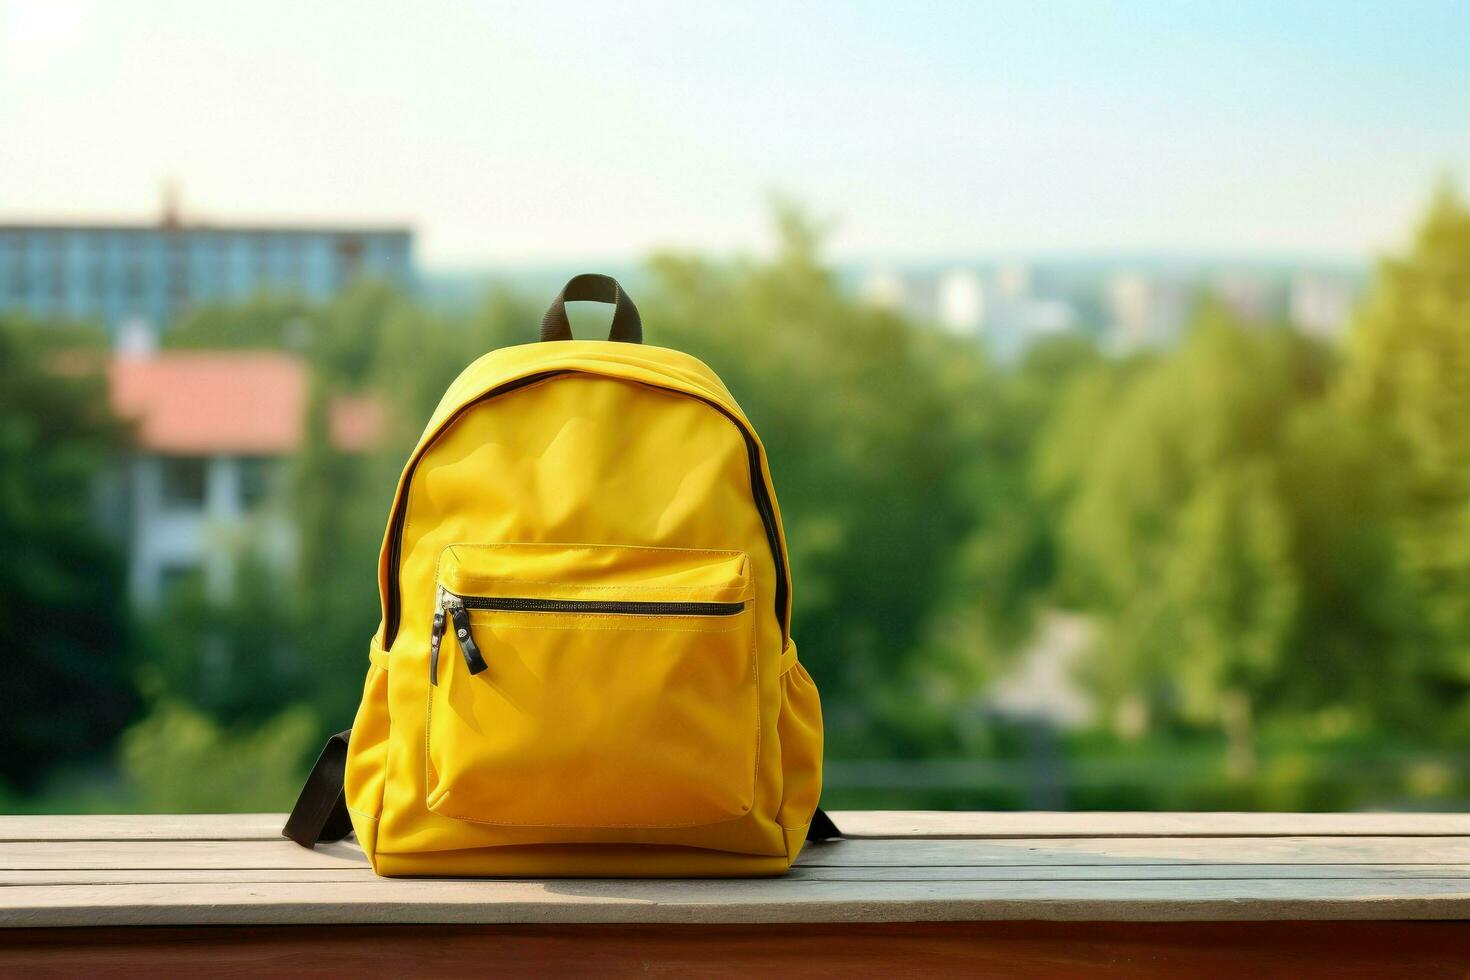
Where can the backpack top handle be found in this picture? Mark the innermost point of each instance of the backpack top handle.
(627, 326)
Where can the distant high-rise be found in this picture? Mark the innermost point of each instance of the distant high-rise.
(885, 289)
(1248, 296)
(962, 302)
(121, 274)
(1321, 304)
(1146, 310)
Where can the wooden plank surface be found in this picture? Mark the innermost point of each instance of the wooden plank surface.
(686, 902)
(944, 823)
(877, 853)
(1142, 872)
(854, 823)
(235, 869)
(143, 826)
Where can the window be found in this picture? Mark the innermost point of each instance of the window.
(184, 482)
(349, 258)
(257, 480)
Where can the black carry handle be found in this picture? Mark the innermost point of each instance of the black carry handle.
(627, 326)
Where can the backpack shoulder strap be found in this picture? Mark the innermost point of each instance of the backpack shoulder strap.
(320, 813)
(822, 828)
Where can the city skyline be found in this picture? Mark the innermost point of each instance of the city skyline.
(947, 130)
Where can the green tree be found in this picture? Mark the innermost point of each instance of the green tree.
(1009, 566)
(275, 322)
(62, 589)
(1176, 531)
(180, 760)
(1360, 646)
(1408, 385)
(237, 659)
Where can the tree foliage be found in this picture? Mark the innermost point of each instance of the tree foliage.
(1261, 525)
(1408, 384)
(63, 595)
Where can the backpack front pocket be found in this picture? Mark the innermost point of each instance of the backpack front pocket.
(592, 686)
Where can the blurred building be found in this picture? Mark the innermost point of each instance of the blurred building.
(1321, 304)
(1131, 305)
(1042, 684)
(1017, 316)
(204, 485)
(886, 290)
(961, 302)
(1146, 310)
(148, 274)
(999, 307)
(1248, 296)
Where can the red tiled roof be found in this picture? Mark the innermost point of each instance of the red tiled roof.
(201, 403)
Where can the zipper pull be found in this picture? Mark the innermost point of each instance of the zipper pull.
(436, 637)
(461, 619)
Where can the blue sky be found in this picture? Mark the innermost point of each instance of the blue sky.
(549, 131)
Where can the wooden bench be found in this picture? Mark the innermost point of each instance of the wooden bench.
(1011, 894)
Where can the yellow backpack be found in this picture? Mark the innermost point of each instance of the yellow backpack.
(584, 666)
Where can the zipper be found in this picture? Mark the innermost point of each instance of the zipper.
(457, 607)
(436, 639)
(610, 606)
(758, 488)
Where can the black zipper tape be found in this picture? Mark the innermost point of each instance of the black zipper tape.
(608, 606)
